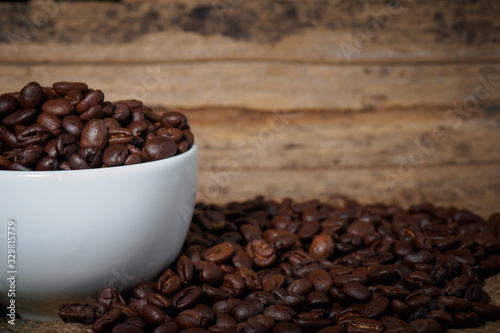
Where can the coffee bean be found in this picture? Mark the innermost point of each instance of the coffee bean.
(95, 133)
(24, 117)
(92, 156)
(107, 321)
(63, 87)
(219, 253)
(76, 313)
(31, 96)
(172, 119)
(90, 99)
(186, 298)
(261, 252)
(76, 162)
(65, 145)
(58, 107)
(286, 327)
(8, 104)
(159, 148)
(50, 122)
(322, 247)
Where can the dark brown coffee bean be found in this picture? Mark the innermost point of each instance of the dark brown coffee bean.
(120, 135)
(92, 156)
(286, 327)
(453, 304)
(466, 319)
(109, 296)
(76, 162)
(63, 88)
(90, 99)
(121, 113)
(312, 324)
(261, 252)
(74, 97)
(376, 307)
(95, 133)
(159, 148)
(188, 136)
(356, 291)
(100, 308)
(24, 117)
(31, 96)
(182, 147)
(215, 294)
(8, 104)
(132, 159)
(171, 327)
(280, 313)
(486, 311)
(169, 283)
(158, 300)
(46, 163)
(136, 306)
(50, 122)
(185, 269)
(35, 134)
(186, 298)
(322, 247)
(219, 253)
(152, 315)
(246, 309)
(76, 313)
(172, 119)
(225, 306)
(426, 325)
(210, 273)
(137, 127)
(417, 280)
(66, 145)
(107, 321)
(58, 107)
(234, 284)
(28, 156)
(318, 299)
(126, 328)
(416, 300)
(442, 317)
(394, 325)
(73, 125)
(8, 138)
(457, 286)
(115, 155)
(94, 112)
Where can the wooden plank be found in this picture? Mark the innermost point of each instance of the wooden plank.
(332, 31)
(474, 187)
(305, 140)
(272, 86)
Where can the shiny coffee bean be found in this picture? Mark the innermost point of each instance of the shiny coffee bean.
(95, 133)
(31, 96)
(159, 148)
(50, 122)
(90, 99)
(58, 107)
(63, 87)
(76, 313)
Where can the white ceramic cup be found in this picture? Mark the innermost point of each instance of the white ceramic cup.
(77, 232)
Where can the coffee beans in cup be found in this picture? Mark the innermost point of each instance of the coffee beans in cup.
(284, 267)
(69, 127)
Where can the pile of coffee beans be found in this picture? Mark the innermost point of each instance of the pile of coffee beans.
(69, 126)
(286, 267)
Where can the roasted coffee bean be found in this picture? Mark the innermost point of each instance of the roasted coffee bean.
(31, 96)
(356, 291)
(322, 247)
(66, 145)
(50, 122)
(158, 300)
(261, 252)
(375, 308)
(185, 269)
(100, 308)
(280, 313)
(126, 328)
(152, 315)
(137, 127)
(35, 134)
(63, 87)
(28, 156)
(286, 327)
(95, 133)
(426, 325)
(95, 111)
(272, 281)
(107, 321)
(171, 327)
(312, 324)
(92, 156)
(188, 136)
(76, 162)
(186, 298)
(233, 284)
(158, 148)
(321, 280)
(120, 135)
(220, 253)
(90, 99)
(74, 97)
(121, 113)
(73, 125)
(210, 273)
(24, 117)
(486, 311)
(417, 280)
(115, 155)
(8, 139)
(46, 163)
(225, 306)
(8, 104)
(76, 313)
(191, 318)
(58, 107)
(246, 309)
(109, 296)
(172, 119)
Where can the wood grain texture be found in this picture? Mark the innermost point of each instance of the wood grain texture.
(336, 140)
(466, 186)
(271, 86)
(332, 31)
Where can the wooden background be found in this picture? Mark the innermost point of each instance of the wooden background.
(294, 98)
(385, 101)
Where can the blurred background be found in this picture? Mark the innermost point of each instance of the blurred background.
(384, 101)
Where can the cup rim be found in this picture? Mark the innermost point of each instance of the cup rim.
(193, 150)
